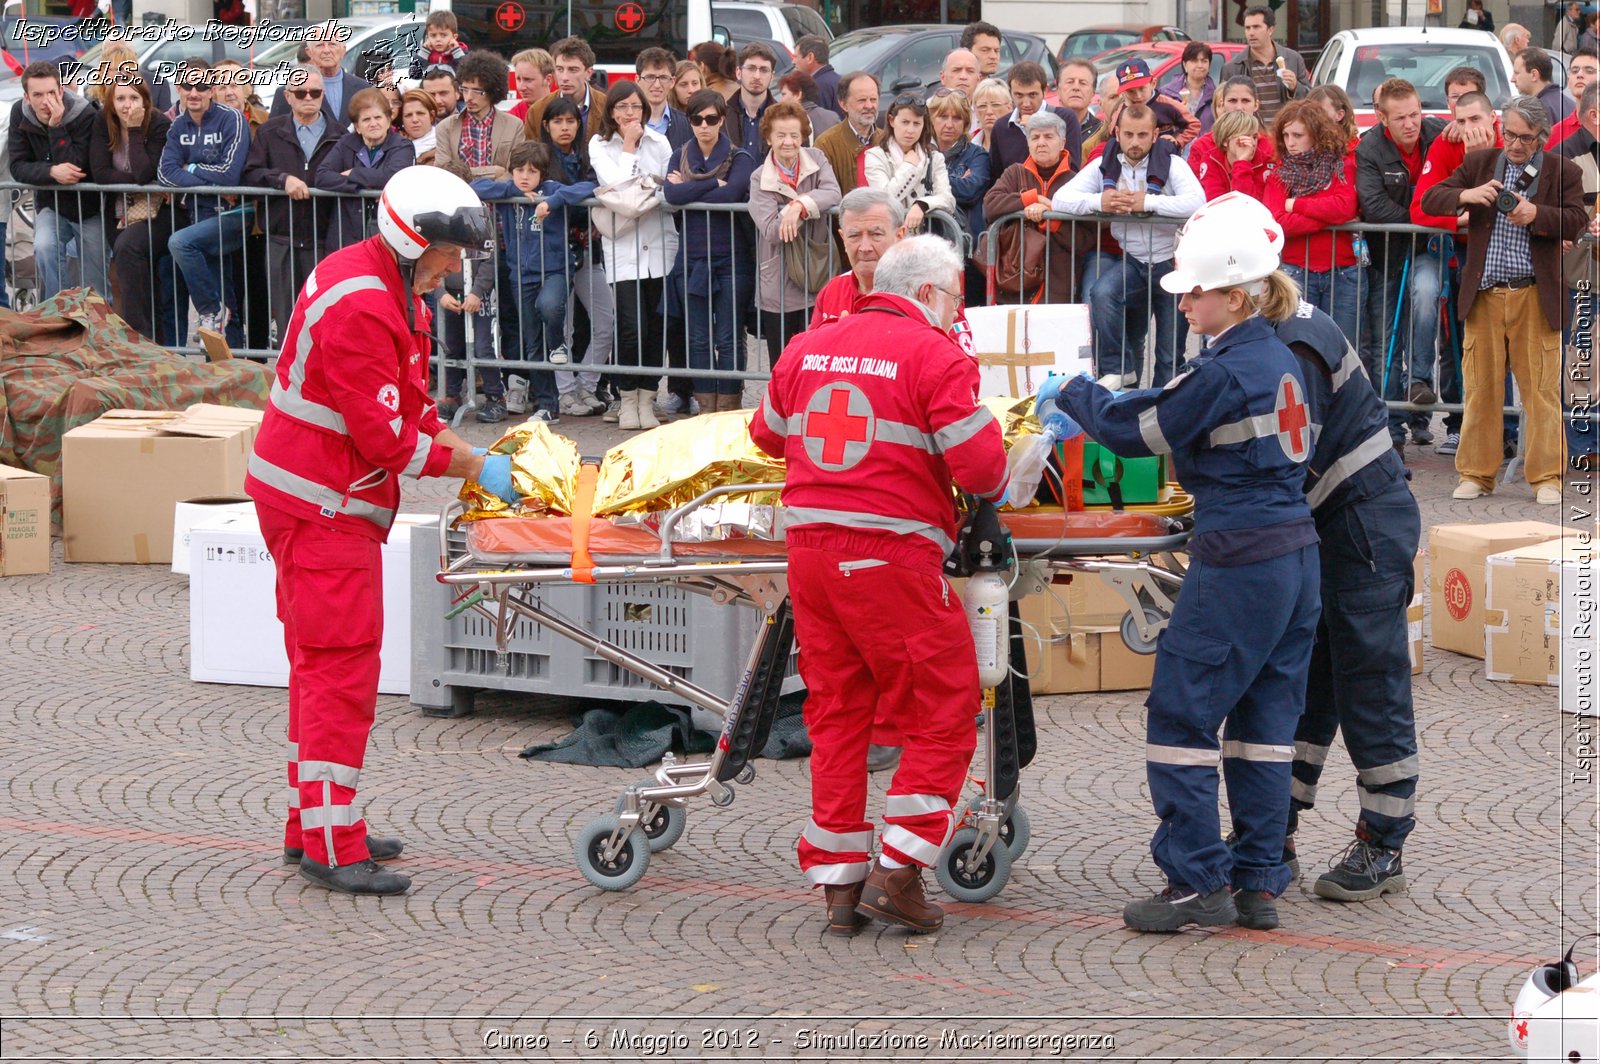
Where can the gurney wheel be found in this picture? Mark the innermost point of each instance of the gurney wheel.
(1015, 831)
(1130, 631)
(747, 775)
(662, 828)
(624, 870)
(980, 885)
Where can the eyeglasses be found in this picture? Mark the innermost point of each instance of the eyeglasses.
(473, 90)
(306, 94)
(708, 119)
(1521, 138)
(655, 78)
(944, 91)
(957, 295)
(628, 107)
(195, 86)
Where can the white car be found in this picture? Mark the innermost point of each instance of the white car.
(1358, 61)
(754, 20)
(370, 37)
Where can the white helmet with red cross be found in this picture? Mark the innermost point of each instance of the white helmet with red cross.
(1233, 241)
(425, 206)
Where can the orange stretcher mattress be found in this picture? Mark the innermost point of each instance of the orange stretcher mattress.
(549, 539)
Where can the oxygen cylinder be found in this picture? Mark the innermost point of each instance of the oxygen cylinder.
(986, 601)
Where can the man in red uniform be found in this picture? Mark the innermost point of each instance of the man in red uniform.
(874, 415)
(349, 415)
(870, 223)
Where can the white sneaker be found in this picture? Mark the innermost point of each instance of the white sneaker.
(1471, 489)
(1115, 381)
(613, 412)
(517, 395)
(1549, 495)
(560, 356)
(673, 407)
(215, 322)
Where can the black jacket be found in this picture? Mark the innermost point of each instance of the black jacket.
(275, 156)
(144, 158)
(34, 148)
(1384, 189)
(356, 218)
(352, 85)
(1008, 142)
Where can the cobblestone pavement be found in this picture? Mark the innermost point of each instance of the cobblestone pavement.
(144, 911)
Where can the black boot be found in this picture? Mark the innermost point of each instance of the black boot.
(1175, 908)
(365, 877)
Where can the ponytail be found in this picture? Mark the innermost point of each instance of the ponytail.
(1280, 297)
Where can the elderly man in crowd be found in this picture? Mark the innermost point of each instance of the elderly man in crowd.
(325, 52)
(960, 72)
(1513, 295)
(811, 57)
(858, 102)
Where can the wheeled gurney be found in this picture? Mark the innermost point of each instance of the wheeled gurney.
(504, 562)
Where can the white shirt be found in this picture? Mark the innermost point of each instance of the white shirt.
(1146, 242)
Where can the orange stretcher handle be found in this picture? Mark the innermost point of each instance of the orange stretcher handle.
(582, 514)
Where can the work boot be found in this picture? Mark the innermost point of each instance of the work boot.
(493, 411)
(364, 877)
(1362, 872)
(1174, 909)
(894, 895)
(707, 401)
(880, 758)
(1257, 910)
(379, 847)
(842, 916)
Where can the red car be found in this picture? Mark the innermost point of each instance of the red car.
(1163, 57)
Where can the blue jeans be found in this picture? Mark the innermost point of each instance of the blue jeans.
(541, 327)
(452, 325)
(715, 328)
(1123, 299)
(1402, 332)
(57, 241)
(1338, 293)
(5, 207)
(198, 251)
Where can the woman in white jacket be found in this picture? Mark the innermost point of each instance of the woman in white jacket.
(904, 164)
(640, 254)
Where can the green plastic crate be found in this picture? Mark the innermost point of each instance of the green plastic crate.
(1141, 480)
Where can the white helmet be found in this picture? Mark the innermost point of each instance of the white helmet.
(425, 205)
(1231, 241)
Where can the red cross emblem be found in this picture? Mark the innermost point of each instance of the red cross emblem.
(630, 17)
(1294, 428)
(1521, 1028)
(838, 426)
(510, 15)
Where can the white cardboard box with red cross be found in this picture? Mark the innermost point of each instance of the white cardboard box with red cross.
(1018, 347)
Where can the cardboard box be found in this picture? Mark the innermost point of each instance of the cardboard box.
(1067, 654)
(123, 474)
(1122, 669)
(234, 632)
(1524, 615)
(24, 522)
(197, 513)
(1018, 347)
(1414, 634)
(1456, 576)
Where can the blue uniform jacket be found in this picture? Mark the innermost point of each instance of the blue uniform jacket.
(532, 250)
(1353, 458)
(210, 153)
(1237, 427)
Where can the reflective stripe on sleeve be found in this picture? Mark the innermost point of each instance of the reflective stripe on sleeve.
(1261, 426)
(291, 398)
(958, 432)
(1370, 450)
(1349, 366)
(1150, 431)
(419, 456)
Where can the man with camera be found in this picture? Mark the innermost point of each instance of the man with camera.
(1521, 204)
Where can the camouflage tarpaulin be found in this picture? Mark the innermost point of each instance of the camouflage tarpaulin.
(70, 359)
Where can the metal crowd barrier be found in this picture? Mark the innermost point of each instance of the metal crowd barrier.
(1398, 309)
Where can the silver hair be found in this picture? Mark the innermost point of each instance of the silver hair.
(300, 72)
(1589, 100)
(1531, 110)
(858, 200)
(1044, 118)
(1107, 87)
(914, 262)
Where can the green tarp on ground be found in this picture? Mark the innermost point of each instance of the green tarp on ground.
(70, 359)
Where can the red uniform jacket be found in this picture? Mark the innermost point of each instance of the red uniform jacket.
(875, 415)
(350, 411)
(1218, 176)
(842, 296)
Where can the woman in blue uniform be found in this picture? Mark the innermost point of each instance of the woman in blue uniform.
(1235, 654)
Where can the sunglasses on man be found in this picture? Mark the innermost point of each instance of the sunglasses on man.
(306, 94)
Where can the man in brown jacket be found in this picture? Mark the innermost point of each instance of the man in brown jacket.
(574, 61)
(858, 100)
(1513, 296)
(481, 136)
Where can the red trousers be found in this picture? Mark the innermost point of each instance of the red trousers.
(330, 600)
(880, 641)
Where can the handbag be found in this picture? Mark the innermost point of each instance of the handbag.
(1018, 258)
(808, 263)
(624, 203)
(141, 207)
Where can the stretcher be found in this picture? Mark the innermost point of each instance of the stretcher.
(499, 566)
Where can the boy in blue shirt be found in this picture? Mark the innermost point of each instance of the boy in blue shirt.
(537, 261)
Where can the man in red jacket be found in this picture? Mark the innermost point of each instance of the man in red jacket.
(875, 415)
(350, 415)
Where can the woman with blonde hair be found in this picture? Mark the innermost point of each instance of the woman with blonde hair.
(686, 81)
(1239, 160)
(119, 64)
(990, 100)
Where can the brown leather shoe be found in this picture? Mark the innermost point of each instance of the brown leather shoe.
(894, 895)
(842, 916)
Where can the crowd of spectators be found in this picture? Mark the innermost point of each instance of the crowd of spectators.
(715, 186)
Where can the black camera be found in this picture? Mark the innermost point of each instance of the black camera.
(1506, 201)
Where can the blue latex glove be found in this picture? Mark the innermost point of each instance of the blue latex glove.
(479, 451)
(1049, 392)
(1058, 424)
(496, 477)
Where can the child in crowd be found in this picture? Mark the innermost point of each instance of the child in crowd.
(538, 259)
(440, 46)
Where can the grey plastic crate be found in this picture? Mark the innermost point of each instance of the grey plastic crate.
(676, 630)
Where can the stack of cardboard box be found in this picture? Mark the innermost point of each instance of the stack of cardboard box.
(1073, 634)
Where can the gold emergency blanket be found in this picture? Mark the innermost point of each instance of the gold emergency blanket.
(660, 469)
